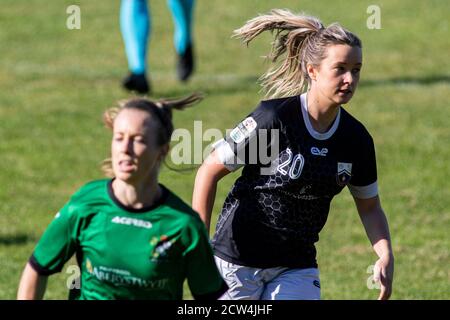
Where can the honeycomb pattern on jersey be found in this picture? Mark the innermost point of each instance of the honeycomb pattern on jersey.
(286, 208)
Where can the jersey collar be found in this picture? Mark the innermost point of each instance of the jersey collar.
(309, 127)
(160, 201)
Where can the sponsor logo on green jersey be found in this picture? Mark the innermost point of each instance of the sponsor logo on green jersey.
(132, 222)
(120, 277)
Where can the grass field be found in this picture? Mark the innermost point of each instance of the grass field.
(55, 84)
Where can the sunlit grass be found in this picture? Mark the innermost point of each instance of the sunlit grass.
(56, 83)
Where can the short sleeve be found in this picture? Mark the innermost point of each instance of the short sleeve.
(204, 279)
(363, 184)
(57, 244)
(249, 141)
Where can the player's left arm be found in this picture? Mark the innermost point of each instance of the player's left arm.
(377, 229)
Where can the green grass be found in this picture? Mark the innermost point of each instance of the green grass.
(55, 84)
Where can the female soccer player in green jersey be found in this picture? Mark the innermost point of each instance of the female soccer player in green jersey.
(132, 237)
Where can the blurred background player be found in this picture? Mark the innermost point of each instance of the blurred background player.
(135, 26)
(266, 233)
(133, 238)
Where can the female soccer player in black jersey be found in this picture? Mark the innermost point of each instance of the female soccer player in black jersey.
(298, 150)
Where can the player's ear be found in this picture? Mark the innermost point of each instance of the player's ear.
(312, 71)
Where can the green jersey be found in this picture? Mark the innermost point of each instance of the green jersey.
(126, 253)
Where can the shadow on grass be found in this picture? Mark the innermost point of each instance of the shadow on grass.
(226, 85)
(9, 240)
(427, 80)
(182, 169)
(231, 85)
(221, 85)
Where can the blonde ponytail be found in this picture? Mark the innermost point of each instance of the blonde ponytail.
(301, 39)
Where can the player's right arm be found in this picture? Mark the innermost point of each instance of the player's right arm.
(32, 285)
(55, 247)
(208, 175)
(230, 154)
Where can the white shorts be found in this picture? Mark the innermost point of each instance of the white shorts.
(280, 283)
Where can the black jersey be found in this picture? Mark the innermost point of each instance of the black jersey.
(275, 210)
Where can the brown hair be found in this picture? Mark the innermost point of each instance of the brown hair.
(304, 40)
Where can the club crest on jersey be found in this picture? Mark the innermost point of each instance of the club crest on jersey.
(344, 173)
(89, 267)
(161, 246)
(243, 130)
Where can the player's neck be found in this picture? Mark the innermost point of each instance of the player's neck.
(322, 112)
(137, 196)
